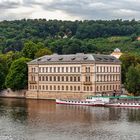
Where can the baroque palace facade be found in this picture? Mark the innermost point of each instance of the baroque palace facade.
(73, 76)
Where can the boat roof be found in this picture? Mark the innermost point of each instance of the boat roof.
(116, 97)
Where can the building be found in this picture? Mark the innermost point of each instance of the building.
(117, 53)
(73, 76)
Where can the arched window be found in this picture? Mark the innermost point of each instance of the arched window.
(100, 88)
(62, 87)
(67, 88)
(58, 87)
(62, 78)
(87, 88)
(71, 88)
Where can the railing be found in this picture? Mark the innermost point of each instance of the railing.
(32, 82)
(87, 83)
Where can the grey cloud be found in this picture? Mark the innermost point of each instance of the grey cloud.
(4, 5)
(82, 9)
(96, 9)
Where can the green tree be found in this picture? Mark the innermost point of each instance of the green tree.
(2, 76)
(17, 75)
(132, 83)
(29, 50)
(42, 52)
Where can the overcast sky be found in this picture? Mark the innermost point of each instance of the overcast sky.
(70, 9)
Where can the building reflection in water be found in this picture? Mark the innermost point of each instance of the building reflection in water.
(41, 119)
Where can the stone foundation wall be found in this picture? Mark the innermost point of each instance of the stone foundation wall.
(56, 95)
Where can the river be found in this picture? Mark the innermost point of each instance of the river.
(22, 119)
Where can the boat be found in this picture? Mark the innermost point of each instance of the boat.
(106, 101)
(124, 101)
(89, 101)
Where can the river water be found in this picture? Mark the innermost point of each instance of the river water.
(44, 120)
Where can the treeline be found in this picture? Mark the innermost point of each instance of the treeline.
(13, 34)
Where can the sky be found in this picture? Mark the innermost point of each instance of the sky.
(70, 9)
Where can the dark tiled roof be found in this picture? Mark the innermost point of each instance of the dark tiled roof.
(79, 57)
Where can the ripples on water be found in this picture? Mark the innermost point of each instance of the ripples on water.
(44, 120)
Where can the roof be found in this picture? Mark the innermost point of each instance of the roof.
(75, 58)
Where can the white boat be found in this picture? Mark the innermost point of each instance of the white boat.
(107, 101)
(90, 101)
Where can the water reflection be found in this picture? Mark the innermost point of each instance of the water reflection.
(45, 120)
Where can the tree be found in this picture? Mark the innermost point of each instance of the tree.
(42, 52)
(18, 73)
(29, 50)
(2, 76)
(132, 83)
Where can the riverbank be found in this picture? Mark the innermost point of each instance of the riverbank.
(8, 93)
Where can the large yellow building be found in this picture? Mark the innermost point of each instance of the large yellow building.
(73, 76)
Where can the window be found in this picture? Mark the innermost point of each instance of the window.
(67, 88)
(66, 69)
(78, 69)
(97, 88)
(62, 69)
(58, 69)
(74, 69)
(79, 88)
(54, 69)
(70, 87)
(70, 69)
(62, 78)
(50, 69)
(50, 87)
(71, 78)
(54, 78)
(88, 78)
(88, 69)
(79, 78)
(90, 88)
(54, 87)
(100, 88)
(50, 78)
(67, 78)
(46, 69)
(43, 87)
(58, 78)
(46, 78)
(62, 87)
(46, 87)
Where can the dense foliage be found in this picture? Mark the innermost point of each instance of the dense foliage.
(57, 35)
(17, 77)
(34, 38)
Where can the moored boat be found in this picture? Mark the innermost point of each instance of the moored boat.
(90, 101)
(106, 101)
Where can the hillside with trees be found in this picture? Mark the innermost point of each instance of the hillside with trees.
(24, 40)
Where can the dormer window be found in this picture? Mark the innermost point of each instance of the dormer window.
(85, 58)
(73, 58)
(60, 58)
(49, 59)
